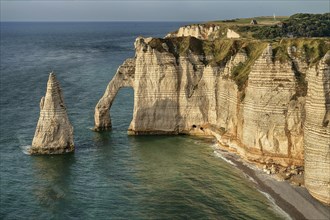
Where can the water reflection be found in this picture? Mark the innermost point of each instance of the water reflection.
(163, 167)
(101, 138)
(53, 185)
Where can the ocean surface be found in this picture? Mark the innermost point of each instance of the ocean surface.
(110, 175)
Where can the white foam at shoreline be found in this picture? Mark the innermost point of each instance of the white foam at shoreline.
(250, 178)
(276, 207)
(25, 149)
(218, 153)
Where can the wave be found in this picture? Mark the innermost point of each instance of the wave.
(275, 206)
(250, 178)
(25, 149)
(218, 153)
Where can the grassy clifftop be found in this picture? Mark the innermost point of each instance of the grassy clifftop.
(297, 25)
(262, 20)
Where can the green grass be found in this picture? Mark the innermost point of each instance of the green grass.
(253, 49)
(223, 50)
(310, 50)
(307, 49)
(262, 20)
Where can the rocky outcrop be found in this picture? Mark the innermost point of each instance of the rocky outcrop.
(204, 32)
(251, 98)
(317, 131)
(54, 133)
(199, 31)
(232, 34)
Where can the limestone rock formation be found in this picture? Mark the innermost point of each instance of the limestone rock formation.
(165, 86)
(54, 133)
(199, 31)
(232, 34)
(266, 109)
(317, 131)
(204, 32)
(252, 98)
(123, 78)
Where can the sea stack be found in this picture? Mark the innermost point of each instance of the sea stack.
(54, 132)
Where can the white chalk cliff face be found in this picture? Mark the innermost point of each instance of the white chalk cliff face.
(179, 92)
(199, 31)
(267, 110)
(317, 131)
(54, 133)
(232, 34)
(203, 32)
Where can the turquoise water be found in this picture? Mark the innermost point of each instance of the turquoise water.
(110, 175)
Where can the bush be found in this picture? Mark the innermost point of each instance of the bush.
(298, 25)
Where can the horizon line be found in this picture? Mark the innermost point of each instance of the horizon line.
(77, 21)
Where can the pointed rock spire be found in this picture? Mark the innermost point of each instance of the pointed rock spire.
(54, 132)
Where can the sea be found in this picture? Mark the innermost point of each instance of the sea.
(110, 175)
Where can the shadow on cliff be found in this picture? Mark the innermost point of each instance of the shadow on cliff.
(161, 118)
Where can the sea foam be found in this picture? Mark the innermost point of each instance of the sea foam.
(218, 153)
(25, 149)
(275, 206)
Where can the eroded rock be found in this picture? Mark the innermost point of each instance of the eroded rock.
(200, 31)
(123, 78)
(54, 132)
(317, 131)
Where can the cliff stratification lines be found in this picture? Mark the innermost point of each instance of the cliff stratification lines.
(123, 78)
(317, 131)
(54, 132)
(250, 95)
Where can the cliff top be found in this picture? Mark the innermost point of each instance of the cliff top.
(261, 20)
(266, 27)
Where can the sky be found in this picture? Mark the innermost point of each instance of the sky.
(153, 10)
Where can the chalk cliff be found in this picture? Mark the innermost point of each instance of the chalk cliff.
(251, 95)
(317, 131)
(232, 34)
(200, 31)
(54, 133)
(204, 32)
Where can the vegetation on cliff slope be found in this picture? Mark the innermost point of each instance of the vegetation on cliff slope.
(220, 51)
(262, 20)
(305, 50)
(298, 25)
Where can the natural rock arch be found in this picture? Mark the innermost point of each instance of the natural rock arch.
(124, 77)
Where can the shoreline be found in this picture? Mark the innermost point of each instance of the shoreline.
(295, 201)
